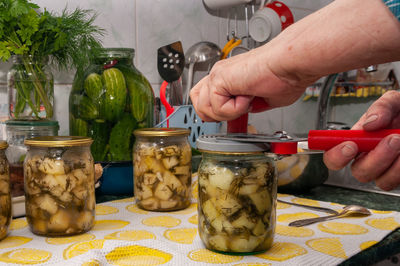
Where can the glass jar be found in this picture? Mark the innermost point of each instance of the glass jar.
(17, 131)
(59, 185)
(237, 199)
(109, 100)
(30, 89)
(162, 168)
(5, 195)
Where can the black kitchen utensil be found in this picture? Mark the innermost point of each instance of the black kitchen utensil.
(170, 61)
(170, 65)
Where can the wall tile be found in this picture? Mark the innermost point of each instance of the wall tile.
(164, 22)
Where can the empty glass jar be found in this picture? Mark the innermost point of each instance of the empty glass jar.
(5, 194)
(162, 168)
(237, 197)
(59, 185)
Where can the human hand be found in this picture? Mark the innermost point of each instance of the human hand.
(383, 163)
(241, 84)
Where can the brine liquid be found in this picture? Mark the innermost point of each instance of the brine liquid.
(17, 180)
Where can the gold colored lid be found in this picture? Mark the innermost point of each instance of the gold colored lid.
(161, 132)
(58, 141)
(3, 145)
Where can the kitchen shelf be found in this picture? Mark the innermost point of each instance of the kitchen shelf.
(353, 89)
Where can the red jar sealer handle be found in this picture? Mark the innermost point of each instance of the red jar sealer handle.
(365, 140)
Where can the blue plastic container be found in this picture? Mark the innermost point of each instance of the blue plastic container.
(117, 178)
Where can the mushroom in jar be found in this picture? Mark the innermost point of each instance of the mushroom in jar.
(162, 175)
(59, 191)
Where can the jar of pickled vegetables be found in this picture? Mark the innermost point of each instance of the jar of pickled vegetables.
(162, 168)
(5, 192)
(237, 196)
(109, 100)
(59, 185)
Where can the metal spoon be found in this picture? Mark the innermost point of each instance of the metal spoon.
(315, 208)
(199, 53)
(349, 209)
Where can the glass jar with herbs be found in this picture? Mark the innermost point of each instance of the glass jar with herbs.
(59, 185)
(30, 88)
(237, 196)
(32, 36)
(109, 100)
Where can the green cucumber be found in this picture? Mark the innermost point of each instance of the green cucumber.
(93, 86)
(99, 132)
(78, 127)
(121, 139)
(115, 94)
(141, 96)
(87, 109)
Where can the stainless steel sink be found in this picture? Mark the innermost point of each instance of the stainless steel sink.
(344, 178)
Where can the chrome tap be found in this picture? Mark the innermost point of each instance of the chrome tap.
(323, 101)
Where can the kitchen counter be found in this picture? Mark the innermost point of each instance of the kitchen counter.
(387, 247)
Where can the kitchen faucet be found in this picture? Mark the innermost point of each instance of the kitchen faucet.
(324, 96)
(323, 101)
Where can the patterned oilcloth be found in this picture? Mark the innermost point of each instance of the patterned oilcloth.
(394, 6)
(126, 235)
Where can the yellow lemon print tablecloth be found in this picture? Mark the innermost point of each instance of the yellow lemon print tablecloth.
(126, 235)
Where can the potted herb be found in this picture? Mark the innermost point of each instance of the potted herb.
(36, 39)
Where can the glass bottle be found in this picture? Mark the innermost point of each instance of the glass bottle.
(5, 194)
(30, 89)
(17, 131)
(162, 168)
(109, 100)
(237, 198)
(59, 185)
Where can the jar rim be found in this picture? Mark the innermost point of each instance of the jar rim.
(234, 153)
(39, 123)
(161, 132)
(115, 52)
(3, 144)
(33, 58)
(58, 141)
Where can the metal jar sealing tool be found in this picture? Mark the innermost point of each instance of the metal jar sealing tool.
(318, 140)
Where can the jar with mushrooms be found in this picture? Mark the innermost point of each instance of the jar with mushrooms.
(5, 192)
(237, 199)
(59, 185)
(162, 168)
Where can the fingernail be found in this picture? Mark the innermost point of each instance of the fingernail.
(348, 151)
(394, 143)
(370, 119)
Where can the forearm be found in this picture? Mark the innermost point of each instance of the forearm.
(350, 34)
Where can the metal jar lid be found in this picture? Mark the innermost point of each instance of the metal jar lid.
(58, 141)
(214, 144)
(161, 132)
(3, 145)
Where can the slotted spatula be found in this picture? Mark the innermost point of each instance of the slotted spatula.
(170, 65)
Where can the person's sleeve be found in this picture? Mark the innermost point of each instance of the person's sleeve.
(394, 6)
